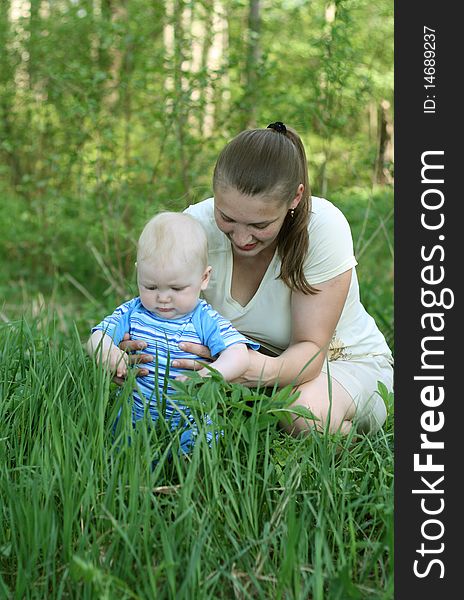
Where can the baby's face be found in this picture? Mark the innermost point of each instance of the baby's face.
(170, 291)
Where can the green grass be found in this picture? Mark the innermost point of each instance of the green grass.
(85, 514)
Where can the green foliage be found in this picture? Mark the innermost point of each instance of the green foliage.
(145, 93)
(89, 514)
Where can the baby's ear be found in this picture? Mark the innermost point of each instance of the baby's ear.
(205, 278)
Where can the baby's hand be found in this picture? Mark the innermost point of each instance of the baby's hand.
(117, 362)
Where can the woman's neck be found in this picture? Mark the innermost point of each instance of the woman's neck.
(248, 273)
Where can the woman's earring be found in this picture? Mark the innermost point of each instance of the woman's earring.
(292, 212)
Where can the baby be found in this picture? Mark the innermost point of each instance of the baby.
(172, 271)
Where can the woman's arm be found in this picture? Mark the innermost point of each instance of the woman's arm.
(314, 318)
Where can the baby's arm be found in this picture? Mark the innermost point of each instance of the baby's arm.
(101, 345)
(231, 363)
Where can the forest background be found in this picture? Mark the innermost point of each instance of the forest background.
(111, 110)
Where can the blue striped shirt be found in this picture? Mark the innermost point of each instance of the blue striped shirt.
(202, 326)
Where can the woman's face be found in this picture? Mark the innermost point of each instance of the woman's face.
(252, 223)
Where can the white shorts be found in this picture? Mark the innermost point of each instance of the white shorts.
(359, 378)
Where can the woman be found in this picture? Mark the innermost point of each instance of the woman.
(284, 274)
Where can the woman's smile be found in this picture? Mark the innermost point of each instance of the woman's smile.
(245, 248)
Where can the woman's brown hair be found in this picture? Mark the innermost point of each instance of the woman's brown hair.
(273, 162)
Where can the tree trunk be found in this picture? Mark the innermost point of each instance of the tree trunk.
(180, 110)
(204, 67)
(32, 45)
(252, 64)
(385, 148)
(7, 132)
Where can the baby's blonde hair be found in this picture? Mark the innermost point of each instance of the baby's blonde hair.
(173, 237)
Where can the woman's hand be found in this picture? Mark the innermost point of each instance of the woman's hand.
(190, 363)
(130, 346)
